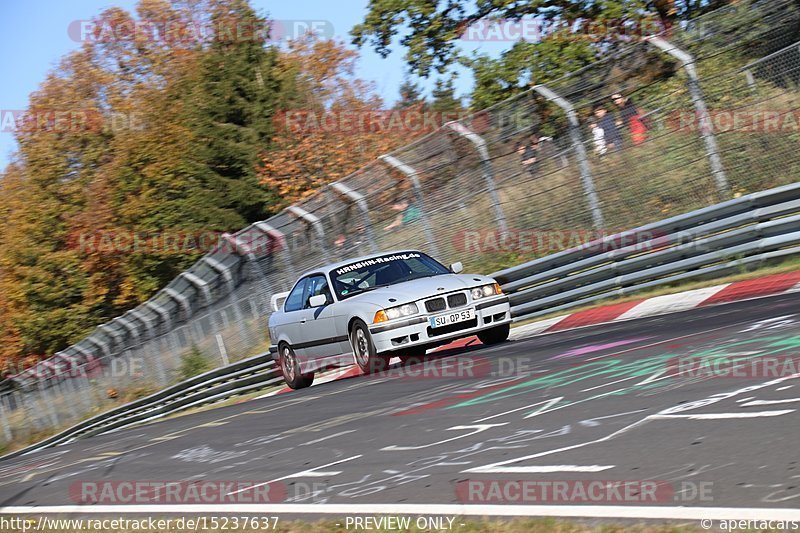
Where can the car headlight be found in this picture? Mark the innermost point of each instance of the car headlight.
(486, 290)
(401, 311)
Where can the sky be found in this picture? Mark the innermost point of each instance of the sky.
(34, 36)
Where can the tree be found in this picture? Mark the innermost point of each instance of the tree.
(576, 32)
(444, 96)
(333, 123)
(410, 95)
(162, 138)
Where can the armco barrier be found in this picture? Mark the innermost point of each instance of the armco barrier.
(710, 242)
(739, 65)
(242, 377)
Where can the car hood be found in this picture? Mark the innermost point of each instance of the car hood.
(416, 289)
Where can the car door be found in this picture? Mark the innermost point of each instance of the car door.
(318, 323)
(292, 311)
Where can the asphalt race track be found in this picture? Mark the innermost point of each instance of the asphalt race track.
(602, 403)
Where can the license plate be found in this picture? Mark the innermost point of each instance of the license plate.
(452, 318)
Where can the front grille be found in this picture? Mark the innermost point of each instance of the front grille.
(452, 328)
(457, 300)
(437, 304)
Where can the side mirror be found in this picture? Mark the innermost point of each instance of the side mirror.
(318, 300)
(455, 268)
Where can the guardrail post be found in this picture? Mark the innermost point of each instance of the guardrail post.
(312, 221)
(580, 151)
(354, 197)
(412, 175)
(488, 172)
(696, 93)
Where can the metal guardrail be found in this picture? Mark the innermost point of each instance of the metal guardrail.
(728, 237)
(241, 377)
(709, 242)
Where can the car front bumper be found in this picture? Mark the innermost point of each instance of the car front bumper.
(405, 333)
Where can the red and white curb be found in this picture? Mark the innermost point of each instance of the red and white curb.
(668, 303)
(658, 305)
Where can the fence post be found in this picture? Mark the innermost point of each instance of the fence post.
(222, 270)
(282, 246)
(580, 151)
(181, 299)
(312, 221)
(696, 93)
(412, 175)
(100, 344)
(160, 311)
(488, 172)
(6, 412)
(354, 197)
(136, 314)
(126, 323)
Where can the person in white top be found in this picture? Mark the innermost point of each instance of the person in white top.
(599, 137)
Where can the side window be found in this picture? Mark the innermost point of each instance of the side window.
(294, 302)
(317, 285)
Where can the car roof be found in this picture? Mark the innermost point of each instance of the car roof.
(339, 264)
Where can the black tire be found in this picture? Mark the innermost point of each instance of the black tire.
(290, 368)
(366, 356)
(495, 335)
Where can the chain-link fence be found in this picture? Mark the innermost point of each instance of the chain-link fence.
(683, 120)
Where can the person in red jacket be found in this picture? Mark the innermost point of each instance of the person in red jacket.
(629, 118)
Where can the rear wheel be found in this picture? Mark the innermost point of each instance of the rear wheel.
(367, 357)
(495, 335)
(290, 367)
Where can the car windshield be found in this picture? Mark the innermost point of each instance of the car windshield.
(369, 274)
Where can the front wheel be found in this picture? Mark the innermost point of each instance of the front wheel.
(290, 367)
(495, 335)
(367, 357)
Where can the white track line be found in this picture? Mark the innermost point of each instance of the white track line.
(770, 402)
(724, 416)
(566, 511)
(550, 469)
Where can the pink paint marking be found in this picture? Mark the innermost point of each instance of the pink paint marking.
(597, 347)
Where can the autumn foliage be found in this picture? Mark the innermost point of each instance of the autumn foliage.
(187, 141)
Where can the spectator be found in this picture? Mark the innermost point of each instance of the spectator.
(407, 213)
(630, 118)
(529, 154)
(611, 135)
(598, 136)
